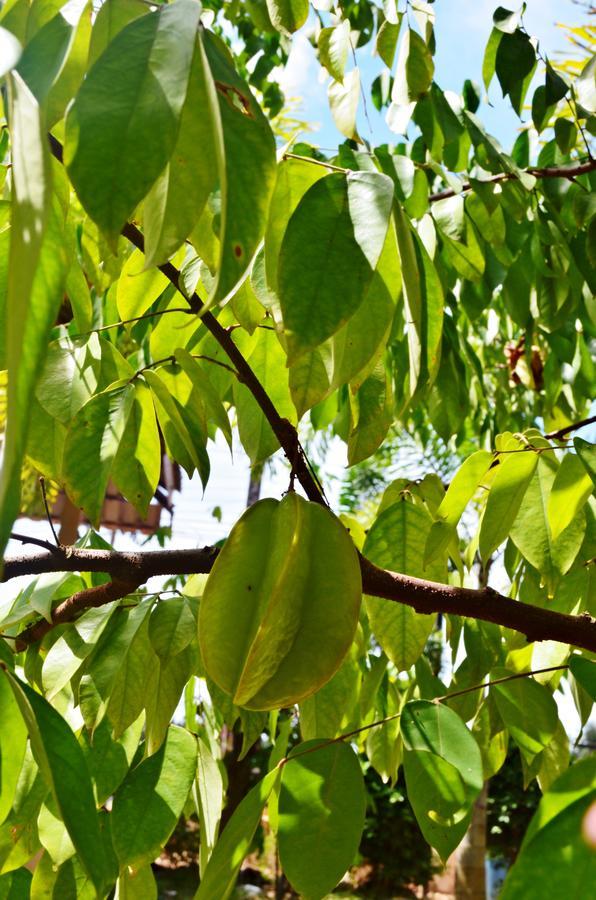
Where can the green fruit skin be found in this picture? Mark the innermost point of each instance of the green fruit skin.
(281, 605)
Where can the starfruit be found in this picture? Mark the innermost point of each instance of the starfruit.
(281, 604)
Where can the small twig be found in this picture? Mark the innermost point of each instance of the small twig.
(560, 434)
(362, 92)
(25, 539)
(579, 125)
(505, 678)
(444, 698)
(316, 162)
(149, 315)
(218, 362)
(42, 484)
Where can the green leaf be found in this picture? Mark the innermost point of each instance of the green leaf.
(386, 42)
(63, 766)
(514, 64)
(490, 57)
(429, 727)
(443, 769)
(334, 44)
(138, 287)
(10, 51)
(585, 86)
(109, 759)
(53, 835)
(36, 272)
(328, 712)
(67, 654)
(396, 541)
(514, 474)
(16, 885)
(213, 405)
(506, 20)
(372, 414)
(329, 253)
(557, 861)
(528, 711)
(344, 98)
(571, 488)
(66, 881)
(565, 134)
(209, 798)
(423, 301)
(584, 671)
(150, 800)
(92, 442)
(125, 138)
(247, 176)
(171, 627)
(308, 377)
(267, 360)
(531, 531)
(137, 464)
(555, 87)
(462, 488)
(541, 113)
(164, 689)
(126, 683)
(72, 72)
(136, 884)
(13, 743)
(321, 804)
(358, 341)
(19, 839)
(111, 18)
(44, 56)
(587, 454)
(287, 15)
(219, 878)
(414, 69)
(184, 434)
(294, 178)
(114, 676)
(176, 200)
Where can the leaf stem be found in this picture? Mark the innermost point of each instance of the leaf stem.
(444, 698)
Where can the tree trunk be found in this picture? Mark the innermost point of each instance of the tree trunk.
(470, 878)
(254, 485)
(69, 523)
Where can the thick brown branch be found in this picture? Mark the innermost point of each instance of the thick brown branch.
(125, 566)
(70, 608)
(575, 426)
(284, 431)
(537, 623)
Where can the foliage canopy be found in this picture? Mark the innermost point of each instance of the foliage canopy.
(172, 266)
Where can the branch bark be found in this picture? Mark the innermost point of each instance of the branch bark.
(70, 608)
(537, 623)
(424, 596)
(575, 426)
(569, 172)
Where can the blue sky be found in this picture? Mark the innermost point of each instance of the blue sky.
(462, 30)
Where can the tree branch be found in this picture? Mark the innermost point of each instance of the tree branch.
(560, 434)
(424, 596)
(537, 623)
(569, 172)
(72, 606)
